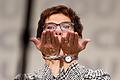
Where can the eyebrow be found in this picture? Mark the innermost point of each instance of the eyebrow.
(59, 23)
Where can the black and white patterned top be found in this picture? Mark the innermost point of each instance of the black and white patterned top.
(74, 72)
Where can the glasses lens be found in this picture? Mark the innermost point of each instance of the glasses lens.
(63, 26)
(50, 26)
(67, 26)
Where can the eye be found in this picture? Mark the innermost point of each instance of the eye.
(50, 27)
(66, 26)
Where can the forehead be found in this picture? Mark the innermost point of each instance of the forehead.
(57, 18)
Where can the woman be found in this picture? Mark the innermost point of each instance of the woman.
(59, 38)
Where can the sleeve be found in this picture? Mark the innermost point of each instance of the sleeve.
(98, 74)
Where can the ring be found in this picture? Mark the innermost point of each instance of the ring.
(52, 50)
(66, 41)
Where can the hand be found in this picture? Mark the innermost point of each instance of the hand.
(72, 44)
(48, 44)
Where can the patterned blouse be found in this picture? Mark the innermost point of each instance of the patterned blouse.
(74, 72)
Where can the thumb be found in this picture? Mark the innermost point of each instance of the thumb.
(34, 40)
(84, 43)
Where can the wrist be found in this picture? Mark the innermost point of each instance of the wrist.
(68, 58)
(52, 62)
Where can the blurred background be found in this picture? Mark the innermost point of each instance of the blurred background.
(100, 19)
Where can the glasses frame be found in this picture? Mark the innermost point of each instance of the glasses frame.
(72, 25)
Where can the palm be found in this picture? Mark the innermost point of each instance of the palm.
(72, 44)
(48, 44)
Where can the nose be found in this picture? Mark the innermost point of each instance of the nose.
(58, 31)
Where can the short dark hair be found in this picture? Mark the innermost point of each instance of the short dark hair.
(56, 10)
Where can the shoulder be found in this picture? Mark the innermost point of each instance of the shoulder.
(38, 73)
(88, 73)
(25, 77)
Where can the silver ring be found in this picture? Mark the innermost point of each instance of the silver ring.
(52, 50)
(66, 41)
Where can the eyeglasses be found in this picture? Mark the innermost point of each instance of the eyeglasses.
(63, 26)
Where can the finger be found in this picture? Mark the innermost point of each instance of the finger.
(35, 41)
(76, 38)
(67, 36)
(84, 43)
(57, 40)
(52, 37)
(43, 40)
(48, 38)
(63, 40)
(71, 38)
(63, 43)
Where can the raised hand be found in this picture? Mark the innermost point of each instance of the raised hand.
(48, 44)
(72, 44)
